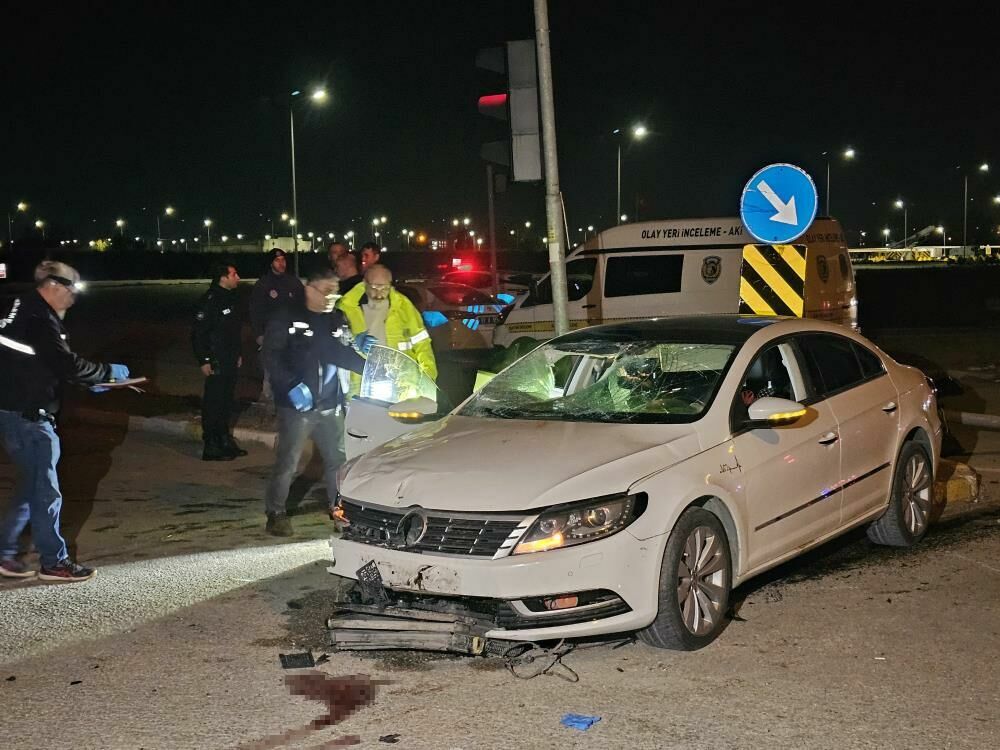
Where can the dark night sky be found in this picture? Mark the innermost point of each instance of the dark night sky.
(117, 110)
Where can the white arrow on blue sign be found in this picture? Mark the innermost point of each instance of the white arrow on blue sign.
(779, 203)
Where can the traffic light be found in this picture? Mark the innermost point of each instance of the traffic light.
(518, 106)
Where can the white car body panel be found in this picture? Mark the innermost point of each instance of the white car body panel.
(778, 491)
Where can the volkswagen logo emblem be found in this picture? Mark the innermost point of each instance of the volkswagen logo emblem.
(411, 529)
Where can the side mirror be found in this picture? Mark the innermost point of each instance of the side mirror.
(414, 410)
(770, 412)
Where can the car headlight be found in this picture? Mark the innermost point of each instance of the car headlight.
(578, 523)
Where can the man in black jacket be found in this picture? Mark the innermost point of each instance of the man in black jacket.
(304, 353)
(348, 273)
(35, 362)
(215, 338)
(275, 293)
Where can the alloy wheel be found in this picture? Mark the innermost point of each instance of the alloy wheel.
(701, 580)
(916, 500)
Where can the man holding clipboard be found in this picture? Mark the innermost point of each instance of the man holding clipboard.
(35, 362)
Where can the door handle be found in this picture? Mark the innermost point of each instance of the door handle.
(587, 307)
(829, 438)
(890, 407)
(357, 436)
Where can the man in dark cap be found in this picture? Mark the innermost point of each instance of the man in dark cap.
(275, 292)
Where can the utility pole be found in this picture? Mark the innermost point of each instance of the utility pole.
(492, 227)
(553, 212)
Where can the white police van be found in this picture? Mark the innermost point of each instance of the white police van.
(689, 266)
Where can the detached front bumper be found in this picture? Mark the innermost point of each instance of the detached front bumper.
(620, 564)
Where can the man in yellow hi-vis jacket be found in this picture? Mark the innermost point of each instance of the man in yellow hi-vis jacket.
(379, 310)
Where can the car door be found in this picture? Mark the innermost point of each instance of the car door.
(388, 378)
(864, 400)
(790, 473)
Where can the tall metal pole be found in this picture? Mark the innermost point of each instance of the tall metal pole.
(492, 227)
(295, 194)
(553, 215)
(158, 238)
(965, 214)
(618, 204)
(828, 187)
(906, 233)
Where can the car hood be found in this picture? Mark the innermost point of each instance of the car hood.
(473, 464)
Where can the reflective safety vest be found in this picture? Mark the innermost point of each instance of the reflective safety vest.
(404, 328)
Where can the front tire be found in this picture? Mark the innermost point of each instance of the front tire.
(695, 583)
(911, 499)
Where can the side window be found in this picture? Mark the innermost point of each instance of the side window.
(871, 365)
(768, 375)
(411, 294)
(643, 274)
(579, 281)
(831, 363)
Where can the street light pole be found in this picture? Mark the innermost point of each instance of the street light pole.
(618, 203)
(295, 194)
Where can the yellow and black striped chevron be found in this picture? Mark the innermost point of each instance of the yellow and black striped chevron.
(773, 280)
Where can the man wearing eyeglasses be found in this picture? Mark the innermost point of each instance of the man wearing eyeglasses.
(35, 362)
(304, 352)
(376, 309)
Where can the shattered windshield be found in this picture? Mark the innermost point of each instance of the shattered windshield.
(606, 381)
(390, 376)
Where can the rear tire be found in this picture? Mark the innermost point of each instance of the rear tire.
(911, 500)
(695, 583)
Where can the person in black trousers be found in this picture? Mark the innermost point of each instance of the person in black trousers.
(215, 337)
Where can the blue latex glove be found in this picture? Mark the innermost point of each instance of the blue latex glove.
(364, 342)
(99, 389)
(119, 372)
(579, 721)
(301, 397)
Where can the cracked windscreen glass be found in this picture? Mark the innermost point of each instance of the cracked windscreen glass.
(390, 376)
(606, 381)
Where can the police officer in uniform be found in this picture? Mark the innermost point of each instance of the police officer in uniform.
(215, 338)
(275, 293)
(35, 363)
(303, 352)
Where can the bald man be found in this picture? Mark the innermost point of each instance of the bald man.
(379, 310)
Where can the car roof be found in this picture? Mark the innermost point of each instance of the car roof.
(721, 329)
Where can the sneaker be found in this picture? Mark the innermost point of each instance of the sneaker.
(66, 571)
(278, 525)
(15, 569)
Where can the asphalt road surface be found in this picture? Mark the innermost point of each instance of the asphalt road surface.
(175, 644)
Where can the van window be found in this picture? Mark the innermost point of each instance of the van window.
(579, 281)
(643, 274)
(831, 363)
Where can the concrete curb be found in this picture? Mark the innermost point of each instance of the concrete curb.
(188, 428)
(956, 482)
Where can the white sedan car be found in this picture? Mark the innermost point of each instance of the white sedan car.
(626, 477)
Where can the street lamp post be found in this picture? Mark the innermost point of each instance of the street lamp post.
(984, 167)
(638, 133)
(120, 223)
(21, 208)
(40, 225)
(168, 211)
(319, 95)
(885, 233)
(900, 204)
(208, 231)
(849, 153)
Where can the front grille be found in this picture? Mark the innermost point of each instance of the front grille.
(478, 535)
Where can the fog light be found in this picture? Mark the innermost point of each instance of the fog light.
(561, 602)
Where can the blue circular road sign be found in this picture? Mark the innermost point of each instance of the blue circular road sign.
(779, 203)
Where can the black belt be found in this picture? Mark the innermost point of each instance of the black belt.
(38, 415)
